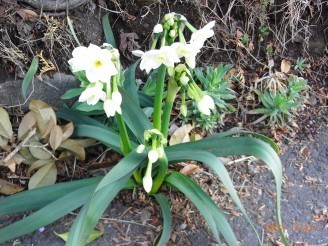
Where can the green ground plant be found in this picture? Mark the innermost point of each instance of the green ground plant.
(280, 105)
(143, 142)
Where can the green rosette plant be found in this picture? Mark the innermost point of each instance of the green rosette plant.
(142, 141)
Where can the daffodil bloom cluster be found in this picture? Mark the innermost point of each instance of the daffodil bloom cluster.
(154, 140)
(101, 70)
(171, 54)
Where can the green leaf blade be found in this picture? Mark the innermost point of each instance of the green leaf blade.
(29, 76)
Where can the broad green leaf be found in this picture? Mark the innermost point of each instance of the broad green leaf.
(5, 125)
(27, 123)
(75, 147)
(217, 166)
(134, 117)
(45, 195)
(104, 193)
(109, 138)
(109, 35)
(129, 84)
(78, 119)
(37, 150)
(206, 206)
(46, 175)
(244, 132)
(47, 214)
(93, 236)
(145, 100)
(89, 108)
(226, 146)
(29, 75)
(56, 137)
(167, 219)
(71, 93)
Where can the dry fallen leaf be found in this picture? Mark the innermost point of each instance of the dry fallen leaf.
(9, 188)
(27, 15)
(181, 135)
(189, 169)
(285, 66)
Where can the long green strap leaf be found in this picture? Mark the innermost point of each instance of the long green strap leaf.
(167, 219)
(241, 146)
(205, 205)
(108, 138)
(109, 35)
(134, 116)
(22, 201)
(78, 119)
(217, 166)
(104, 193)
(129, 83)
(29, 75)
(47, 214)
(244, 132)
(145, 100)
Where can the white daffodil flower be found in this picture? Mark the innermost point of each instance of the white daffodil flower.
(205, 105)
(96, 62)
(188, 51)
(158, 28)
(152, 59)
(78, 62)
(117, 98)
(199, 37)
(92, 94)
(111, 107)
(153, 155)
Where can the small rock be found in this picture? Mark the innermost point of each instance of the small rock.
(183, 226)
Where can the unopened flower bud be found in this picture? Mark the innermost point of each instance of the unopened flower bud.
(180, 68)
(184, 79)
(158, 28)
(170, 22)
(172, 33)
(183, 110)
(170, 71)
(153, 156)
(141, 148)
(115, 54)
(147, 180)
(168, 16)
(147, 183)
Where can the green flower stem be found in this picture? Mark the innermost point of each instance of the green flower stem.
(163, 41)
(159, 97)
(189, 26)
(108, 91)
(172, 91)
(181, 36)
(161, 175)
(153, 45)
(124, 138)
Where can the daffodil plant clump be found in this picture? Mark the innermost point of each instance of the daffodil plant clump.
(141, 137)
